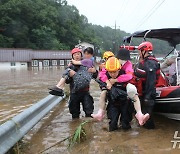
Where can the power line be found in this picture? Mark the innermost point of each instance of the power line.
(121, 7)
(123, 10)
(149, 14)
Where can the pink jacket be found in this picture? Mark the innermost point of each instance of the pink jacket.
(127, 67)
(102, 75)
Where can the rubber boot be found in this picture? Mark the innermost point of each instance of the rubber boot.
(99, 116)
(142, 118)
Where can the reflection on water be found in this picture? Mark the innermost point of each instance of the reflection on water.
(20, 89)
(138, 140)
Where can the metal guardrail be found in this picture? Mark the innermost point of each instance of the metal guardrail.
(13, 130)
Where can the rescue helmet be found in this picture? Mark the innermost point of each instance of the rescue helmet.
(146, 46)
(123, 54)
(112, 64)
(107, 55)
(75, 50)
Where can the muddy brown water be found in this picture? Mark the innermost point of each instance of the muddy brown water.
(20, 89)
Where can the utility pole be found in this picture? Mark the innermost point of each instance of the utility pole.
(114, 42)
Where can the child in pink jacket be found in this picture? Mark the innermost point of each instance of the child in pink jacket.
(127, 74)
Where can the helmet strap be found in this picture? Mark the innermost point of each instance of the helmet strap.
(143, 54)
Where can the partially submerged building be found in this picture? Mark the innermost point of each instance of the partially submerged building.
(15, 58)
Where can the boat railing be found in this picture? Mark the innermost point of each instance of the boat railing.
(178, 70)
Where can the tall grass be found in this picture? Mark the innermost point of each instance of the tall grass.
(78, 136)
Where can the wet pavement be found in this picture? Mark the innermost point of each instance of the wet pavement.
(18, 90)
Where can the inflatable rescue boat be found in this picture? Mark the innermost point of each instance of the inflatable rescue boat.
(167, 101)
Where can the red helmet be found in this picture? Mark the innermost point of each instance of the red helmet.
(76, 50)
(147, 46)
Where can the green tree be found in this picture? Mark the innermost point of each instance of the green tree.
(53, 24)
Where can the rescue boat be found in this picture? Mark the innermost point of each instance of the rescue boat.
(167, 102)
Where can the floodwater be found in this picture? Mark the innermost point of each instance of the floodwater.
(20, 89)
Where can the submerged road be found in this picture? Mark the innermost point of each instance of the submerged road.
(20, 89)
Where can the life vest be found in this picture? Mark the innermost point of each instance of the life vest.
(139, 77)
(117, 94)
(138, 82)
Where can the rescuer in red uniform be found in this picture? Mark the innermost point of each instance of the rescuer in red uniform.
(147, 72)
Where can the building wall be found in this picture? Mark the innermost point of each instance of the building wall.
(49, 62)
(9, 65)
(43, 54)
(84, 45)
(35, 58)
(15, 55)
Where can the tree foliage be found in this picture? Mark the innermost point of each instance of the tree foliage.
(52, 24)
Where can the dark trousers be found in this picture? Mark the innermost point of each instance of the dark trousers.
(87, 103)
(114, 110)
(147, 107)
